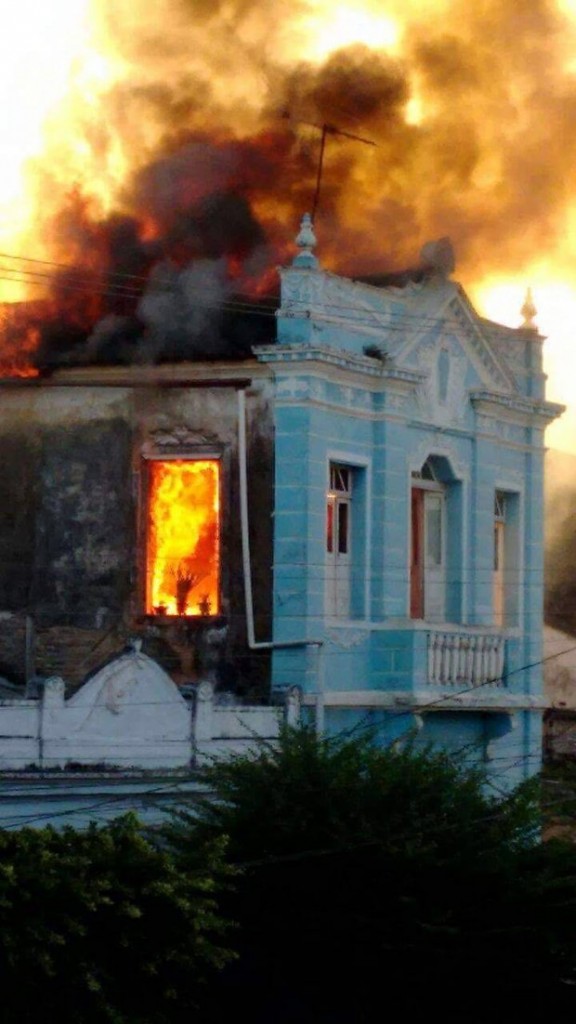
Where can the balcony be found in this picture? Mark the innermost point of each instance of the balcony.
(465, 659)
(412, 664)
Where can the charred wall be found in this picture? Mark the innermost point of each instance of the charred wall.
(73, 520)
(20, 461)
(84, 530)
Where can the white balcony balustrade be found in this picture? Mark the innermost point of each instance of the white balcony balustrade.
(465, 659)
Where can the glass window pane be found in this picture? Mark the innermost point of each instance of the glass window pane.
(330, 526)
(343, 520)
(434, 533)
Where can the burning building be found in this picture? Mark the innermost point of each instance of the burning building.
(353, 509)
(171, 469)
(122, 515)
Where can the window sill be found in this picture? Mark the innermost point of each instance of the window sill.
(195, 622)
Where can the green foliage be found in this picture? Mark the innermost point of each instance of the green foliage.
(325, 791)
(101, 925)
(388, 879)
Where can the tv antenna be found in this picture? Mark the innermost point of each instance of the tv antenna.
(326, 129)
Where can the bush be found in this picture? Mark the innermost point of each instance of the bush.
(383, 878)
(101, 925)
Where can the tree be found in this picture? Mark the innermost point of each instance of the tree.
(101, 925)
(380, 880)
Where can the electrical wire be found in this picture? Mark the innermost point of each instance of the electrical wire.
(118, 284)
(330, 653)
(113, 800)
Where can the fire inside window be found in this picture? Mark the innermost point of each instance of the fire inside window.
(182, 544)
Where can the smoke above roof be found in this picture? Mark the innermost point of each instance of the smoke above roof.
(192, 179)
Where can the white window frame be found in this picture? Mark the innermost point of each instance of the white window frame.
(511, 615)
(433, 579)
(338, 596)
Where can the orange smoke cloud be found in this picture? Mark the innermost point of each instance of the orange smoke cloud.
(170, 142)
(184, 100)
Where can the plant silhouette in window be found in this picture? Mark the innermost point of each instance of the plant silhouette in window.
(185, 581)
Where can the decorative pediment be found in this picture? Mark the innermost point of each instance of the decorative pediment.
(414, 325)
(456, 329)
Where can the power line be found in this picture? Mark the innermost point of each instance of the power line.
(118, 798)
(99, 805)
(203, 792)
(238, 306)
(121, 280)
(405, 710)
(71, 267)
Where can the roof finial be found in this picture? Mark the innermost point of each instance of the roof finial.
(529, 311)
(306, 241)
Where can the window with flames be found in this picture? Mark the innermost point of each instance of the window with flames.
(183, 537)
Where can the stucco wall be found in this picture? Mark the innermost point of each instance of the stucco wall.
(381, 380)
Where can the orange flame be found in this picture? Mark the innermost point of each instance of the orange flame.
(183, 557)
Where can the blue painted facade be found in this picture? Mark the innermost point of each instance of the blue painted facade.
(408, 511)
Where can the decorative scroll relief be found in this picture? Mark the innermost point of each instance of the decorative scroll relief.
(512, 432)
(292, 387)
(395, 402)
(347, 638)
(351, 398)
(364, 399)
(486, 424)
(502, 430)
(315, 389)
(300, 289)
(310, 292)
(178, 437)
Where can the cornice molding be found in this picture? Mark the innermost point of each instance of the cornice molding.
(302, 357)
(525, 411)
